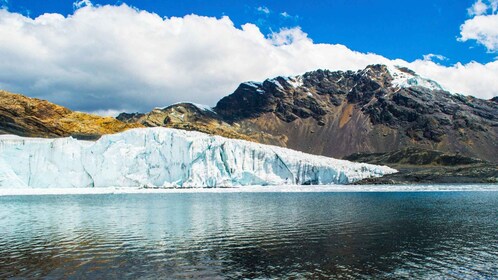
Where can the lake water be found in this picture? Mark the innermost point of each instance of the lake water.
(250, 235)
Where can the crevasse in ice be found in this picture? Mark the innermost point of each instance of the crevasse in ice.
(163, 157)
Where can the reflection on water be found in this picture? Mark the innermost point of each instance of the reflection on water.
(249, 235)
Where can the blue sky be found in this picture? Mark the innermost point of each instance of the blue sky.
(395, 29)
(107, 57)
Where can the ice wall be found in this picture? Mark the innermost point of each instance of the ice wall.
(162, 157)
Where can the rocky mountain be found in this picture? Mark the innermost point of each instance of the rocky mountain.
(33, 117)
(378, 109)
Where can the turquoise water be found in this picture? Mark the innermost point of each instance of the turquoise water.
(250, 235)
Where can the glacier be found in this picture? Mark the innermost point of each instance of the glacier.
(165, 157)
(403, 79)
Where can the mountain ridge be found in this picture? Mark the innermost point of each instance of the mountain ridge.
(378, 109)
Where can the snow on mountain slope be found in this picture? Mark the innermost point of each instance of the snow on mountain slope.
(403, 77)
(161, 157)
(200, 106)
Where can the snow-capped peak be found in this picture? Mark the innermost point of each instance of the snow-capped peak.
(403, 78)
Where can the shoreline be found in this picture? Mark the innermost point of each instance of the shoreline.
(254, 189)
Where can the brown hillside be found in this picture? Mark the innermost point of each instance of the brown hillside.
(33, 117)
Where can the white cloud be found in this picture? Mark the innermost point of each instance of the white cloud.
(109, 112)
(263, 10)
(494, 6)
(483, 29)
(288, 17)
(483, 26)
(82, 3)
(108, 58)
(432, 57)
(474, 78)
(479, 8)
(288, 36)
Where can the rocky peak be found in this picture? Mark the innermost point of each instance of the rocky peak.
(307, 95)
(393, 96)
(378, 73)
(310, 94)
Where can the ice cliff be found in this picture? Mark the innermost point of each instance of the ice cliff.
(162, 157)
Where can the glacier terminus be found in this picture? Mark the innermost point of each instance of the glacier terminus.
(163, 157)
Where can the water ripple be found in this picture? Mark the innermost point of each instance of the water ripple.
(244, 235)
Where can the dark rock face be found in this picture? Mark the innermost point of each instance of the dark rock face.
(246, 102)
(129, 117)
(371, 107)
(423, 113)
(309, 95)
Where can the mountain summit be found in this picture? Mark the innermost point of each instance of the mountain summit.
(316, 93)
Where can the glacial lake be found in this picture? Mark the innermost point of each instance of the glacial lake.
(220, 235)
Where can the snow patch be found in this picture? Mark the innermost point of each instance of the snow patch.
(277, 83)
(403, 79)
(203, 107)
(200, 106)
(295, 82)
(162, 158)
(256, 85)
(253, 84)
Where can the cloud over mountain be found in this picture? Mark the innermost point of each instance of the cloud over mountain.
(104, 58)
